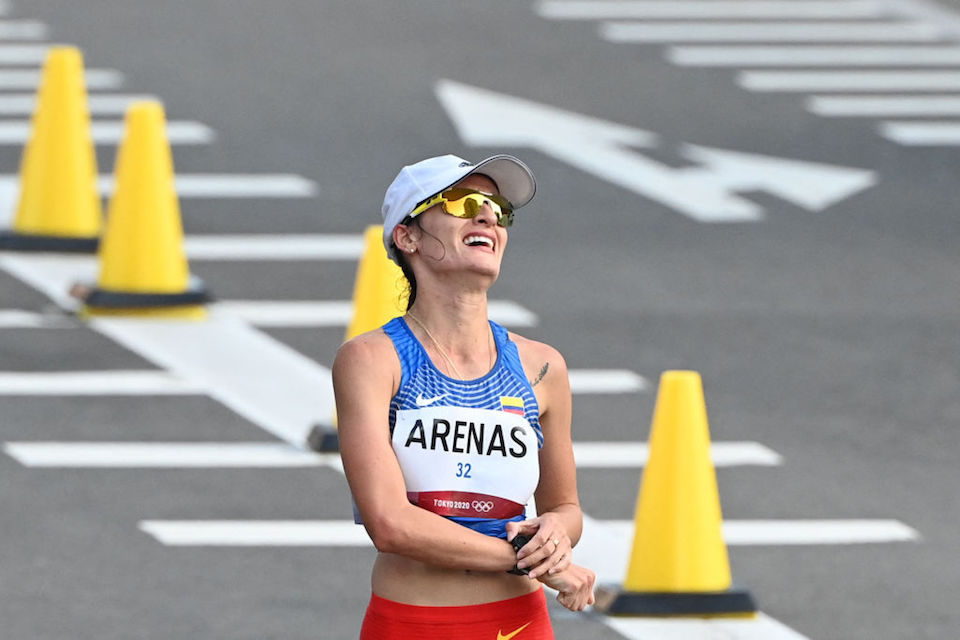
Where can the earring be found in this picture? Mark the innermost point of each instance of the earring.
(410, 249)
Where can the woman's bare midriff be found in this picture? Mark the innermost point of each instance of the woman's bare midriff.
(409, 581)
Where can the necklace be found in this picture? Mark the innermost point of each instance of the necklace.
(453, 367)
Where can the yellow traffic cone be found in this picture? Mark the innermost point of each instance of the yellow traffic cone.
(59, 203)
(143, 266)
(378, 292)
(379, 295)
(678, 565)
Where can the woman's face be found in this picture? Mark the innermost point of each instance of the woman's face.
(475, 244)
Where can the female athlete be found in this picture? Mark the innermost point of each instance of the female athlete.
(449, 425)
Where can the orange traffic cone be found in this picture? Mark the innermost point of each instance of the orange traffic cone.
(143, 266)
(59, 204)
(678, 565)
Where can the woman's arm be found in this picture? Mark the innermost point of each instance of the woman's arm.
(366, 373)
(559, 524)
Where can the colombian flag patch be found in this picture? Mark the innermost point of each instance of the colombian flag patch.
(512, 405)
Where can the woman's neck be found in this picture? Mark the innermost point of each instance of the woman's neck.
(457, 329)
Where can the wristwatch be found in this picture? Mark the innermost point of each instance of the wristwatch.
(518, 542)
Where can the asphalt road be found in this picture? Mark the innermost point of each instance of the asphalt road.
(831, 336)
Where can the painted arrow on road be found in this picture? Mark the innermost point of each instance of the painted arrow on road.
(705, 191)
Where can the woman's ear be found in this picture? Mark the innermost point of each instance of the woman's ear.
(405, 238)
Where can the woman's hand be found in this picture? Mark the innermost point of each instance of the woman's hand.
(575, 586)
(549, 549)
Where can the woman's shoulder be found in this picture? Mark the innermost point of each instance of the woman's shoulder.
(373, 348)
(536, 355)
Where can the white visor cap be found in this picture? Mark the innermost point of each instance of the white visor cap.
(417, 182)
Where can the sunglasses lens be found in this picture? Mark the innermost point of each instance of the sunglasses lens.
(464, 203)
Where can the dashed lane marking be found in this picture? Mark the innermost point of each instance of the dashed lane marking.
(33, 54)
(17, 132)
(672, 9)
(27, 79)
(175, 455)
(812, 56)
(275, 247)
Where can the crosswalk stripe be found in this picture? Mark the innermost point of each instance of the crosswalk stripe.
(22, 30)
(770, 32)
(612, 455)
(23, 53)
(884, 106)
(20, 79)
(810, 56)
(17, 132)
(255, 247)
(234, 185)
(640, 9)
(811, 81)
(337, 313)
(23, 104)
(21, 319)
(606, 381)
(125, 382)
(213, 455)
(922, 133)
(618, 535)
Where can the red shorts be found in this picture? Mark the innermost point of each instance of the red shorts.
(521, 618)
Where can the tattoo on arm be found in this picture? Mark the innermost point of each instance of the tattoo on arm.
(543, 372)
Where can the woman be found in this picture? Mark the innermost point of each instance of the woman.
(448, 425)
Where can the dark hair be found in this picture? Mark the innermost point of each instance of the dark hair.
(405, 267)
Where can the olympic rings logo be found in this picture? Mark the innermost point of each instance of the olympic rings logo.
(483, 506)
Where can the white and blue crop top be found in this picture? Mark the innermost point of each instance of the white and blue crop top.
(468, 449)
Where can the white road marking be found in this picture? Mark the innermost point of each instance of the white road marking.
(24, 79)
(617, 535)
(21, 319)
(81, 383)
(170, 455)
(884, 106)
(706, 191)
(643, 9)
(22, 30)
(163, 455)
(812, 56)
(255, 247)
(262, 379)
(17, 132)
(23, 104)
(775, 32)
(625, 455)
(23, 53)
(337, 313)
(922, 133)
(809, 81)
(763, 627)
(606, 381)
(189, 185)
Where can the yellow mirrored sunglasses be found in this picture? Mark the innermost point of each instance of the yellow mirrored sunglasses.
(466, 203)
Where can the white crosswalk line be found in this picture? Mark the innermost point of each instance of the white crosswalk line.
(813, 56)
(64, 383)
(20, 79)
(256, 247)
(606, 381)
(847, 81)
(673, 9)
(23, 104)
(337, 313)
(884, 106)
(922, 133)
(22, 30)
(613, 455)
(775, 32)
(32, 54)
(17, 132)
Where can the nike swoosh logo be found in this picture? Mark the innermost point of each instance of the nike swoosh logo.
(425, 402)
(500, 636)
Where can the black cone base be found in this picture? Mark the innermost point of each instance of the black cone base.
(106, 299)
(13, 241)
(617, 602)
(324, 439)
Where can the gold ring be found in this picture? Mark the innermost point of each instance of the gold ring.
(556, 543)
